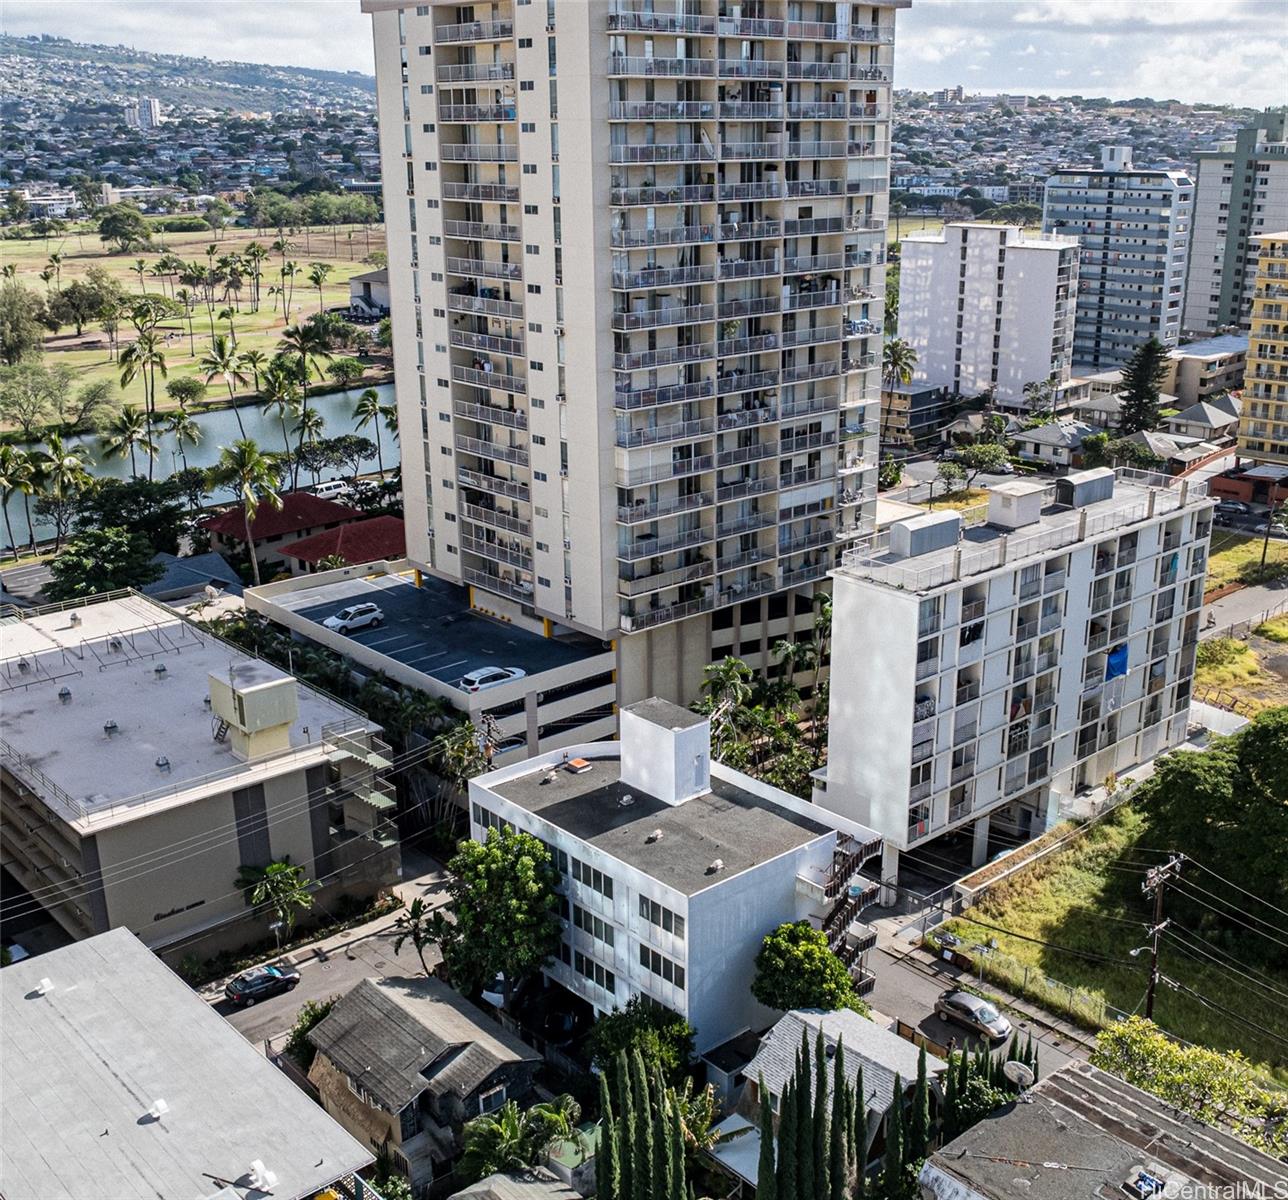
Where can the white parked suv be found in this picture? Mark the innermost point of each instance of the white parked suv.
(356, 616)
(489, 677)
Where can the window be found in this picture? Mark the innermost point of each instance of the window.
(529, 168)
(531, 248)
(587, 922)
(599, 975)
(659, 964)
(527, 127)
(526, 85)
(525, 43)
(657, 914)
(426, 89)
(408, 1122)
(530, 209)
(492, 1099)
(592, 878)
(488, 819)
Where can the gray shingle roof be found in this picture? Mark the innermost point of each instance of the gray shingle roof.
(536, 1184)
(398, 1037)
(879, 1052)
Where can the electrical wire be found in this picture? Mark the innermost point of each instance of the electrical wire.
(1237, 888)
(1183, 886)
(1207, 1002)
(1024, 937)
(1211, 960)
(1272, 983)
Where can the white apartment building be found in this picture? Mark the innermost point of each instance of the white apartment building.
(674, 868)
(1241, 192)
(636, 263)
(1134, 227)
(988, 307)
(1008, 665)
(144, 762)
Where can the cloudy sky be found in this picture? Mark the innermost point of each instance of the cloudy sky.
(1192, 50)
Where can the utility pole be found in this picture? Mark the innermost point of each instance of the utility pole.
(1155, 884)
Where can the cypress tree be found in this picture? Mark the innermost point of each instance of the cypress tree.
(804, 1121)
(919, 1124)
(1013, 1050)
(642, 1151)
(1028, 1050)
(892, 1169)
(821, 1183)
(663, 1172)
(765, 1180)
(607, 1179)
(963, 1073)
(625, 1131)
(950, 1103)
(838, 1127)
(785, 1171)
(1035, 1065)
(849, 1127)
(860, 1137)
(677, 1155)
(1142, 380)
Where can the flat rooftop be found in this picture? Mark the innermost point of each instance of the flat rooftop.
(84, 1063)
(1087, 1133)
(728, 823)
(1214, 347)
(432, 628)
(108, 655)
(982, 546)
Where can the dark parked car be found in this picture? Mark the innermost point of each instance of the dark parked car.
(260, 983)
(975, 1013)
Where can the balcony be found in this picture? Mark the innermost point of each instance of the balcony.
(465, 302)
(967, 692)
(492, 450)
(650, 546)
(825, 149)
(500, 193)
(481, 231)
(757, 452)
(466, 114)
(634, 622)
(650, 196)
(962, 772)
(822, 298)
(475, 31)
(965, 733)
(491, 414)
(495, 484)
(922, 751)
(748, 524)
(1026, 630)
(674, 235)
(805, 574)
(508, 347)
(797, 443)
(748, 268)
(661, 110)
(751, 110)
(747, 418)
(660, 22)
(495, 520)
(509, 556)
(656, 318)
(677, 468)
(652, 397)
(484, 268)
(637, 583)
(477, 152)
(747, 589)
(644, 359)
(1053, 581)
(764, 190)
(749, 68)
(652, 277)
(744, 558)
(806, 541)
(927, 667)
(752, 486)
(1023, 669)
(652, 510)
(519, 590)
(738, 380)
(469, 72)
(496, 380)
(623, 65)
(678, 152)
(816, 187)
(653, 435)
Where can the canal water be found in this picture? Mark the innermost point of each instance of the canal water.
(219, 429)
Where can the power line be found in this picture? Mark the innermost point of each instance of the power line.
(1237, 888)
(1194, 952)
(1024, 937)
(1230, 916)
(1207, 1002)
(1272, 983)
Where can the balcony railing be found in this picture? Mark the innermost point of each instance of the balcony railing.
(681, 152)
(477, 152)
(653, 397)
(490, 379)
(497, 520)
(460, 72)
(652, 510)
(494, 450)
(692, 314)
(486, 268)
(475, 31)
(651, 547)
(491, 414)
(628, 438)
(622, 64)
(495, 484)
(633, 622)
(674, 235)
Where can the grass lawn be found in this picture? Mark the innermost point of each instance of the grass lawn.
(255, 330)
(1274, 630)
(957, 501)
(1088, 898)
(1253, 674)
(1233, 553)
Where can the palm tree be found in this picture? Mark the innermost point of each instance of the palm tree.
(281, 887)
(55, 264)
(318, 273)
(513, 1139)
(254, 254)
(369, 410)
(898, 359)
(140, 268)
(17, 478)
(221, 361)
(181, 424)
(252, 475)
(127, 433)
(281, 394)
(227, 314)
(420, 926)
(287, 290)
(309, 423)
(254, 361)
(307, 345)
(143, 357)
(185, 297)
(64, 472)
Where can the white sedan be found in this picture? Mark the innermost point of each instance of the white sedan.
(488, 677)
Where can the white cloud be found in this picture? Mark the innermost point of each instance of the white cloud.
(1028, 51)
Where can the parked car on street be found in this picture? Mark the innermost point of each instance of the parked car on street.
(332, 489)
(1232, 508)
(975, 1013)
(260, 983)
(489, 677)
(356, 616)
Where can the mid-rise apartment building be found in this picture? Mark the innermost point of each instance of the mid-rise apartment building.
(1263, 423)
(1134, 227)
(674, 868)
(636, 264)
(1241, 193)
(145, 763)
(1008, 665)
(988, 308)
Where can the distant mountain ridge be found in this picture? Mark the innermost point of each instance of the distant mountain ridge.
(175, 79)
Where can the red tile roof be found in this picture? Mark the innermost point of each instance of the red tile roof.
(299, 511)
(359, 542)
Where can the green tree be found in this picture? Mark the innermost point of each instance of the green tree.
(765, 1173)
(90, 405)
(795, 968)
(821, 1184)
(512, 1139)
(281, 887)
(123, 226)
(17, 208)
(664, 1038)
(312, 1013)
(345, 371)
(642, 1151)
(307, 347)
(898, 362)
(785, 1174)
(460, 757)
(23, 318)
(805, 1165)
(142, 359)
(127, 433)
(64, 473)
(254, 361)
(889, 474)
(838, 1128)
(607, 1169)
(149, 508)
(919, 1118)
(504, 910)
(1142, 381)
(625, 1129)
(369, 411)
(251, 475)
(222, 362)
(893, 1177)
(859, 1136)
(32, 396)
(318, 273)
(186, 390)
(17, 478)
(422, 927)
(982, 458)
(77, 304)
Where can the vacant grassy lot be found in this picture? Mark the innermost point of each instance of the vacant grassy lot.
(185, 346)
(1234, 554)
(1088, 899)
(960, 500)
(1246, 675)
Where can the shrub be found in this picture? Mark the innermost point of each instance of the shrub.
(312, 1013)
(1220, 652)
(192, 224)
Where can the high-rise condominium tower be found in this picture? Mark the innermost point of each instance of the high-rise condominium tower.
(1134, 226)
(636, 256)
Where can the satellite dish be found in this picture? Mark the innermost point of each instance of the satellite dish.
(1018, 1073)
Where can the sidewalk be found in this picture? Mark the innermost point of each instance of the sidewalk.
(429, 884)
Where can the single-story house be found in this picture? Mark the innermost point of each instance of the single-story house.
(184, 577)
(1103, 409)
(967, 427)
(1211, 420)
(404, 1063)
(302, 515)
(369, 293)
(879, 1053)
(359, 542)
(535, 1183)
(1056, 444)
(1176, 453)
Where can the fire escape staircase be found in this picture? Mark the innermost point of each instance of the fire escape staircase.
(850, 892)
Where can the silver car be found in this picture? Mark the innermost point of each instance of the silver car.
(975, 1013)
